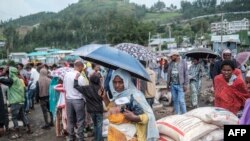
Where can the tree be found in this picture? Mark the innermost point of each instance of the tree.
(199, 7)
(91, 21)
(12, 38)
(158, 6)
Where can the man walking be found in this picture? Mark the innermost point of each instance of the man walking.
(75, 103)
(177, 81)
(195, 74)
(34, 76)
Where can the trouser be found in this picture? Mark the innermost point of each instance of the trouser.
(44, 102)
(194, 90)
(16, 111)
(5, 120)
(26, 102)
(199, 85)
(75, 118)
(178, 99)
(31, 99)
(97, 120)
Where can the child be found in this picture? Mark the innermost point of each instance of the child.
(94, 101)
(130, 105)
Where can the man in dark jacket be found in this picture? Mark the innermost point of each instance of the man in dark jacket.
(94, 101)
(177, 81)
(2, 114)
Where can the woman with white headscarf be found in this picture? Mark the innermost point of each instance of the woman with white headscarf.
(145, 125)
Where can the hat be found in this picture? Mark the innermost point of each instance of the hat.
(226, 51)
(122, 101)
(165, 58)
(174, 52)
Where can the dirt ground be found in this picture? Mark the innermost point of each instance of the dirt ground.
(205, 99)
(36, 117)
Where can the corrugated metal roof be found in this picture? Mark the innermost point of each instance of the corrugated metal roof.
(18, 53)
(38, 53)
(161, 41)
(62, 51)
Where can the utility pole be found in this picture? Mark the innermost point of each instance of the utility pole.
(149, 38)
(9, 46)
(159, 37)
(169, 31)
(222, 2)
(221, 30)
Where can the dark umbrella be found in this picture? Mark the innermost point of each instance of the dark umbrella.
(113, 58)
(242, 58)
(201, 53)
(138, 51)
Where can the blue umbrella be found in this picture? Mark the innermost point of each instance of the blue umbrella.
(85, 50)
(113, 58)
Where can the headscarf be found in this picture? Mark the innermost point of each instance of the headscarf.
(225, 51)
(129, 89)
(13, 73)
(44, 83)
(128, 85)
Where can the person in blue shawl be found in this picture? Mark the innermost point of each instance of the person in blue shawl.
(53, 96)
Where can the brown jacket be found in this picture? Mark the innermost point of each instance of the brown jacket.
(151, 87)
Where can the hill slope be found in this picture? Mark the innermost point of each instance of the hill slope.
(85, 8)
(31, 19)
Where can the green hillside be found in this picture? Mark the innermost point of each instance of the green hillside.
(112, 22)
(162, 18)
(95, 8)
(88, 21)
(31, 19)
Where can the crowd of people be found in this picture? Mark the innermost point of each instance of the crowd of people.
(80, 97)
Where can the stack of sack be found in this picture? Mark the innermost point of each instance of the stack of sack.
(201, 124)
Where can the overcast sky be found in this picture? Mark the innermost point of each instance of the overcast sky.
(16, 8)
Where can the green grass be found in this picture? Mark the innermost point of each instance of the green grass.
(161, 17)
